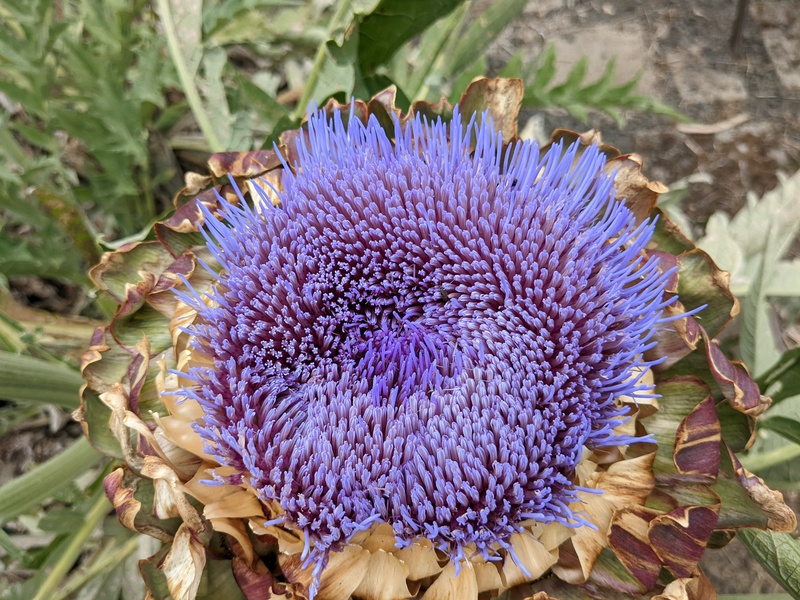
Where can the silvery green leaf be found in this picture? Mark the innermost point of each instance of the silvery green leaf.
(739, 244)
(187, 15)
(779, 554)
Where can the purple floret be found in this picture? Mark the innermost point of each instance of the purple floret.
(425, 333)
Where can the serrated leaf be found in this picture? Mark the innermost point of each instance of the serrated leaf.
(578, 99)
(578, 111)
(545, 71)
(573, 81)
(604, 88)
(514, 68)
(779, 554)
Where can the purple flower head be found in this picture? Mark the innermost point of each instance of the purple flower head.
(426, 333)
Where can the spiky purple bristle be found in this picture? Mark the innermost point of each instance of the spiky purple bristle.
(426, 333)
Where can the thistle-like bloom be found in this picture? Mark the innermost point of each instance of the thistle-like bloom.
(424, 360)
(425, 334)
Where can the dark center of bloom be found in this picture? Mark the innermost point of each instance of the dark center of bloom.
(426, 333)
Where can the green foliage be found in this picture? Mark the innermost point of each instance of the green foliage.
(779, 554)
(782, 380)
(24, 493)
(578, 97)
(751, 245)
(82, 87)
(93, 117)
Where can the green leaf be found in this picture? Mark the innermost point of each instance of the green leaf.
(187, 78)
(13, 415)
(779, 554)
(759, 462)
(393, 23)
(573, 81)
(737, 509)
(218, 582)
(476, 69)
(338, 72)
(785, 373)
(421, 63)
(480, 34)
(70, 216)
(514, 68)
(188, 15)
(785, 280)
(699, 283)
(216, 101)
(578, 98)
(154, 578)
(26, 380)
(267, 109)
(22, 494)
(740, 243)
(756, 342)
(115, 568)
(788, 428)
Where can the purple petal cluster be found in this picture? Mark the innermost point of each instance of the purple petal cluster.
(426, 333)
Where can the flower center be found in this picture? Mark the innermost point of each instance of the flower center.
(425, 335)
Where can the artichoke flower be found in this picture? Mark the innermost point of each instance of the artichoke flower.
(413, 356)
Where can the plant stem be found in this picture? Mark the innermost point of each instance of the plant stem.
(319, 60)
(107, 560)
(99, 508)
(187, 82)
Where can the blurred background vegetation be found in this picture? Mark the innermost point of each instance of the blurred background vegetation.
(105, 105)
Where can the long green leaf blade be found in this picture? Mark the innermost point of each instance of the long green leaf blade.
(481, 33)
(26, 491)
(26, 379)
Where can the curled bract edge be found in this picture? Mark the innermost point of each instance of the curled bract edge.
(662, 504)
